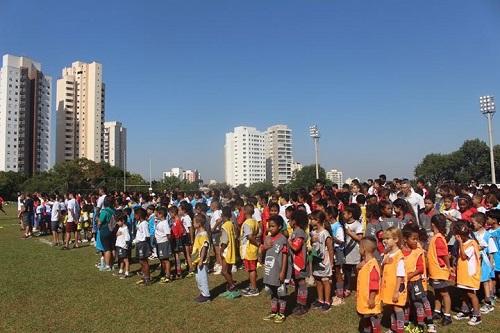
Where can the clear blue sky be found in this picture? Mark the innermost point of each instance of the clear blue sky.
(387, 81)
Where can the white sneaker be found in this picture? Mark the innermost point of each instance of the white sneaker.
(85, 241)
(234, 269)
(474, 320)
(218, 270)
(486, 308)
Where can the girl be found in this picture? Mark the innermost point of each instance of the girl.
(387, 219)
(493, 217)
(465, 208)
(142, 245)
(338, 238)
(353, 234)
(322, 247)
(163, 243)
(415, 274)
(403, 211)
(186, 215)
(439, 269)
(228, 252)
(427, 213)
(487, 249)
(393, 290)
(468, 271)
(374, 229)
(275, 268)
(178, 233)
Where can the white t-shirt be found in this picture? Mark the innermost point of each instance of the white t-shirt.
(19, 204)
(142, 232)
(283, 211)
(416, 201)
(215, 216)
(100, 201)
(257, 216)
(162, 231)
(400, 269)
(122, 237)
(56, 209)
(186, 222)
(71, 210)
(308, 208)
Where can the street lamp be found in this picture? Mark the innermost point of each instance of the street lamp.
(487, 104)
(314, 133)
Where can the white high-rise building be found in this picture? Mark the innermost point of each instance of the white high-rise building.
(115, 144)
(80, 113)
(245, 156)
(174, 172)
(279, 156)
(25, 104)
(335, 176)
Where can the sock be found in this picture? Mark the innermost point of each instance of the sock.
(282, 304)
(420, 313)
(375, 323)
(274, 305)
(120, 271)
(406, 312)
(302, 293)
(102, 261)
(400, 321)
(447, 315)
(427, 310)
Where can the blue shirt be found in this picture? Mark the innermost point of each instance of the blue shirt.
(495, 234)
(152, 225)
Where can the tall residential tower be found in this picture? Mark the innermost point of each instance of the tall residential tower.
(25, 104)
(115, 144)
(279, 157)
(80, 113)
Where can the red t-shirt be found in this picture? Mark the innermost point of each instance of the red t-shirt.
(441, 251)
(374, 280)
(467, 215)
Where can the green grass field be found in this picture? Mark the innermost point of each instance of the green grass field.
(45, 289)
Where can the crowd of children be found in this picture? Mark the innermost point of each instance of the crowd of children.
(387, 242)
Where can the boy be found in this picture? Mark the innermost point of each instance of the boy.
(298, 250)
(200, 258)
(163, 243)
(353, 234)
(249, 250)
(368, 304)
(493, 219)
(427, 213)
(152, 226)
(54, 219)
(215, 232)
(228, 252)
(142, 245)
(121, 246)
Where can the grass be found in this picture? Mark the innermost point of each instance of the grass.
(46, 289)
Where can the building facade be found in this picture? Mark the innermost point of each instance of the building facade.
(80, 113)
(190, 176)
(115, 144)
(279, 155)
(245, 156)
(335, 176)
(25, 105)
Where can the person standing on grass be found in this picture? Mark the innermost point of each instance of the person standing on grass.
(55, 215)
(106, 226)
(142, 245)
(71, 222)
(249, 247)
(27, 215)
(1, 205)
(200, 258)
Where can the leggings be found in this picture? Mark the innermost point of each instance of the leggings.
(278, 304)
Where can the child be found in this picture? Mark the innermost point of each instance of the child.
(387, 219)
(427, 213)
(368, 303)
(322, 247)
(152, 225)
(55, 216)
(185, 213)
(215, 225)
(298, 249)
(477, 202)
(142, 245)
(465, 208)
(468, 271)
(338, 239)
(393, 290)
(178, 233)
(487, 248)
(121, 246)
(163, 243)
(228, 253)
(415, 273)
(439, 269)
(275, 268)
(201, 247)
(493, 218)
(353, 234)
(248, 250)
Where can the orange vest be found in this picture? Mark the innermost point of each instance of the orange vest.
(363, 289)
(436, 272)
(411, 264)
(464, 277)
(389, 280)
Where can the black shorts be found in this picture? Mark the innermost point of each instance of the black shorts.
(177, 245)
(54, 225)
(339, 256)
(27, 220)
(416, 291)
(143, 250)
(121, 253)
(107, 242)
(439, 284)
(163, 250)
(215, 237)
(186, 240)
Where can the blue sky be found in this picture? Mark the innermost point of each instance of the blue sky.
(386, 81)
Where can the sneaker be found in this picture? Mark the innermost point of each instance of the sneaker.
(234, 269)
(85, 241)
(218, 270)
(141, 281)
(140, 274)
(233, 294)
(190, 274)
(279, 318)
(431, 328)
(270, 317)
(486, 308)
(164, 280)
(474, 320)
(202, 299)
(124, 276)
(252, 293)
(461, 316)
(437, 316)
(446, 321)
(299, 310)
(316, 305)
(105, 269)
(326, 307)
(245, 290)
(337, 301)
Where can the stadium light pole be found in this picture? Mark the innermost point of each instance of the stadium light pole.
(487, 104)
(314, 133)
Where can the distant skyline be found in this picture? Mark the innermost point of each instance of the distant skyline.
(387, 82)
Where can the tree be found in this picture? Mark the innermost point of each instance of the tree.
(260, 187)
(470, 161)
(11, 183)
(305, 178)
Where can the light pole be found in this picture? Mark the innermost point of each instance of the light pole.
(487, 104)
(314, 133)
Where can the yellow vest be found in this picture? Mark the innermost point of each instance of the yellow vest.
(200, 240)
(363, 289)
(249, 251)
(230, 250)
(436, 272)
(463, 276)
(389, 280)
(411, 263)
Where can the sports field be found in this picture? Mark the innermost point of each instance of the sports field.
(45, 289)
